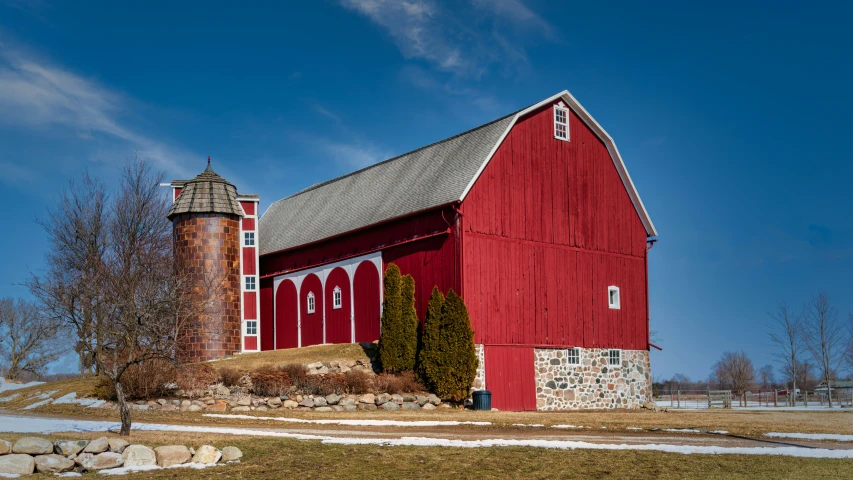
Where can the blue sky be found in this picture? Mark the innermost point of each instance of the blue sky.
(731, 118)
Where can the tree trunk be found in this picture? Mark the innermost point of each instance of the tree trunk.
(124, 409)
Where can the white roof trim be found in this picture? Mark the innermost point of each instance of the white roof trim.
(598, 130)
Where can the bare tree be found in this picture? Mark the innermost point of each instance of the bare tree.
(823, 337)
(786, 335)
(735, 370)
(29, 340)
(139, 294)
(679, 381)
(765, 374)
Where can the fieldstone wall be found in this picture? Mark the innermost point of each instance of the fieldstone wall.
(480, 379)
(592, 383)
(211, 245)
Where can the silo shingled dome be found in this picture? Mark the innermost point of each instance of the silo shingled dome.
(206, 193)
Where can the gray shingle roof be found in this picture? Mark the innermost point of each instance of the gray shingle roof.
(206, 193)
(426, 178)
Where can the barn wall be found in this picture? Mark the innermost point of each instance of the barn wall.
(548, 227)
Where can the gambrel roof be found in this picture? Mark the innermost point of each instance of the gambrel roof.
(433, 176)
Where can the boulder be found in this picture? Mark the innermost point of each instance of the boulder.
(421, 399)
(118, 445)
(222, 391)
(408, 397)
(353, 408)
(397, 398)
(17, 464)
(428, 406)
(433, 399)
(390, 406)
(307, 402)
(100, 461)
(69, 447)
(274, 402)
(33, 446)
(323, 409)
(289, 404)
(230, 454)
(194, 408)
(161, 401)
(140, 407)
(367, 406)
(99, 445)
(207, 454)
(367, 398)
(411, 406)
(241, 409)
(169, 407)
(139, 456)
(347, 401)
(320, 401)
(333, 399)
(172, 455)
(218, 406)
(186, 403)
(382, 398)
(244, 402)
(53, 463)
(5, 447)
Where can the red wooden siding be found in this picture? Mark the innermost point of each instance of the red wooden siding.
(250, 343)
(250, 306)
(311, 323)
(431, 262)
(548, 227)
(338, 324)
(177, 192)
(286, 316)
(266, 311)
(248, 225)
(510, 377)
(249, 265)
(366, 298)
(248, 207)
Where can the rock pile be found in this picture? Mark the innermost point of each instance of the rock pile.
(38, 455)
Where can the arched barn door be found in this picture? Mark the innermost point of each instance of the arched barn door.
(312, 322)
(338, 325)
(366, 297)
(286, 316)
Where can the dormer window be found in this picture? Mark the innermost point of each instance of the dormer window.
(561, 122)
(613, 297)
(310, 302)
(336, 298)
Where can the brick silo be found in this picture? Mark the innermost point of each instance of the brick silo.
(206, 224)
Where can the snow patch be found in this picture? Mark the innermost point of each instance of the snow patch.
(634, 428)
(566, 426)
(38, 404)
(812, 436)
(68, 474)
(9, 475)
(4, 385)
(10, 398)
(528, 425)
(148, 468)
(357, 423)
(71, 398)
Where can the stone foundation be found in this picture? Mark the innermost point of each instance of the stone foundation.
(480, 379)
(592, 383)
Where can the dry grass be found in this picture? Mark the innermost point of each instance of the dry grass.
(83, 386)
(268, 458)
(316, 353)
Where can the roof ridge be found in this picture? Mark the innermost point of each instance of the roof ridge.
(321, 184)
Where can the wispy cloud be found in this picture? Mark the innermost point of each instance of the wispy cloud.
(517, 13)
(14, 173)
(35, 93)
(327, 113)
(355, 155)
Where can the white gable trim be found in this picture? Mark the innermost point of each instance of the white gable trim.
(600, 132)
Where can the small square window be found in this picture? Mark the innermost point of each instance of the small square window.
(561, 122)
(337, 299)
(613, 300)
(310, 302)
(574, 356)
(250, 284)
(251, 327)
(614, 358)
(248, 239)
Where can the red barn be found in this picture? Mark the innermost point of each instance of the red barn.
(532, 218)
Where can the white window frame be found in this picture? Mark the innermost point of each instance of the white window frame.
(246, 236)
(618, 357)
(250, 283)
(573, 353)
(311, 303)
(560, 108)
(251, 327)
(337, 298)
(617, 304)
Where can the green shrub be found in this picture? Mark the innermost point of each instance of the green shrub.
(450, 360)
(398, 340)
(429, 353)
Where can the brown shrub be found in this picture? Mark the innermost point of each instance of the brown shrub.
(357, 382)
(409, 382)
(271, 383)
(196, 377)
(297, 372)
(230, 377)
(387, 383)
(324, 384)
(150, 379)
